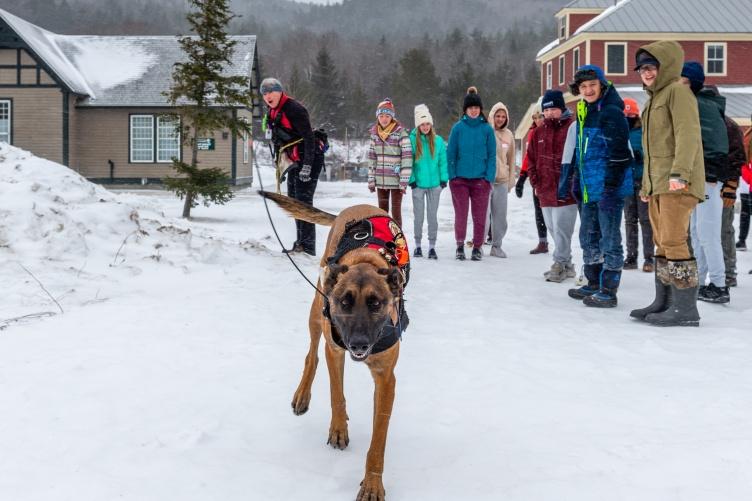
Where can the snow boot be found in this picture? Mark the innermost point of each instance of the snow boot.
(630, 263)
(649, 265)
(418, 252)
(432, 254)
(477, 254)
(542, 248)
(593, 275)
(460, 254)
(606, 295)
(682, 309)
(662, 291)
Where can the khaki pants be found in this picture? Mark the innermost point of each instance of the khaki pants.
(669, 217)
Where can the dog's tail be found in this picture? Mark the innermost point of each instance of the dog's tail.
(300, 210)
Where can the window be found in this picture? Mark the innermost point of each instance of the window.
(575, 60)
(549, 76)
(5, 121)
(142, 138)
(715, 58)
(168, 138)
(563, 27)
(616, 58)
(562, 59)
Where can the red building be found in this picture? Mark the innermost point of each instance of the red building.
(608, 33)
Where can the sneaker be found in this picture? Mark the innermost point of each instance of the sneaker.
(648, 266)
(489, 241)
(432, 254)
(741, 246)
(630, 263)
(570, 271)
(477, 255)
(542, 248)
(714, 294)
(417, 252)
(460, 254)
(498, 252)
(556, 273)
(731, 282)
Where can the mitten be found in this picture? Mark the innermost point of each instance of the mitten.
(305, 173)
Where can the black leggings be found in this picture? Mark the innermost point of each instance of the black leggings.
(746, 199)
(539, 222)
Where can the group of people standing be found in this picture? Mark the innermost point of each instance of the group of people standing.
(671, 170)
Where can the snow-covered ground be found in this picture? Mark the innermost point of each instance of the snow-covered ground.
(170, 373)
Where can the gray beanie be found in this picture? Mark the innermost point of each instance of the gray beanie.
(271, 85)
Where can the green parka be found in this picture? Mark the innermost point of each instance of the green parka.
(671, 138)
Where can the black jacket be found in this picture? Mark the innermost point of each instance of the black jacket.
(736, 156)
(299, 128)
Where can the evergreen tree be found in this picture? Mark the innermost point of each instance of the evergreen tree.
(417, 83)
(206, 98)
(326, 92)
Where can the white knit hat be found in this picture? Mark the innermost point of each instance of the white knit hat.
(422, 115)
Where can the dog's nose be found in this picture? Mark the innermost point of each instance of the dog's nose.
(359, 348)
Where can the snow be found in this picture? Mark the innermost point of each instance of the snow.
(170, 374)
(620, 4)
(547, 48)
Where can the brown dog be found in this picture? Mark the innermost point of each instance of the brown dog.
(364, 294)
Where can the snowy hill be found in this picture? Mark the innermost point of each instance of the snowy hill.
(170, 374)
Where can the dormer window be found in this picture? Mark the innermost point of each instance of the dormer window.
(563, 27)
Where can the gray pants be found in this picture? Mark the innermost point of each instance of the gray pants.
(705, 229)
(728, 241)
(497, 213)
(426, 201)
(560, 223)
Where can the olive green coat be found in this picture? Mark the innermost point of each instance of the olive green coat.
(671, 138)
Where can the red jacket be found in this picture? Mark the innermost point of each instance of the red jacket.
(544, 160)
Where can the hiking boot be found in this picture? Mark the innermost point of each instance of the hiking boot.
(741, 245)
(460, 254)
(682, 303)
(731, 282)
(593, 275)
(542, 248)
(556, 273)
(432, 254)
(714, 294)
(648, 266)
(477, 255)
(498, 252)
(606, 295)
(297, 247)
(630, 263)
(417, 252)
(662, 289)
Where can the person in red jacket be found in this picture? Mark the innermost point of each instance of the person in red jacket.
(544, 169)
(540, 224)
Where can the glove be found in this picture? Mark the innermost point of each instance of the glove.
(413, 185)
(728, 194)
(442, 184)
(371, 186)
(305, 173)
(520, 185)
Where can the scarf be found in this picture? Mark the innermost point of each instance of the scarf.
(384, 132)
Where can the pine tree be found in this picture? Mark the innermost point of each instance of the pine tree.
(205, 98)
(326, 92)
(416, 83)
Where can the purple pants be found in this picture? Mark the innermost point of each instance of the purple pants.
(473, 193)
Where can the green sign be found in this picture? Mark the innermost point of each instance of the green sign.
(206, 144)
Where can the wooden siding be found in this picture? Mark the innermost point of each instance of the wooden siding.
(37, 120)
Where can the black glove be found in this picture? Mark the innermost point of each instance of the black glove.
(520, 184)
(413, 185)
(305, 173)
(442, 184)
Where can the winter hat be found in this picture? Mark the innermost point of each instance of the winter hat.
(271, 85)
(696, 75)
(386, 107)
(644, 57)
(472, 98)
(631, 108)
(585, 73)
(422, 115)
(553, 99)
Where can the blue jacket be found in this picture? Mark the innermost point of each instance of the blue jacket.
(602, 162)
(635, 140)
(471, 153)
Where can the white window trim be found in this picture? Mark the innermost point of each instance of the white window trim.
(575, 60)
(153, 134)
(562, 68)
(725, 58)
(246, 147)
(156, 142)
(10, 118)
(605, 57)
(563, 22)
(549, 75)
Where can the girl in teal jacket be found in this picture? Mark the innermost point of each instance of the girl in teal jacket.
(429, 176)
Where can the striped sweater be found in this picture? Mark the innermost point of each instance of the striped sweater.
(391, 161)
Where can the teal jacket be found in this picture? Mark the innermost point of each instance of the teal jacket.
(429, 171)
(471, 153)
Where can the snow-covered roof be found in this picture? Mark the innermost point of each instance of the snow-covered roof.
(548, 47)
(117, 70)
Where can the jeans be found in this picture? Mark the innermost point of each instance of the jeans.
(728, 242)
(705, 228)
(472, 194)
(600, 232)
(426, 201)
(560, 222)
(636, 211)
(297, 189)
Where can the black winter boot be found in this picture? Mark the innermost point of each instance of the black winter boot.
(476, 255)
(682, 309)
(606, 295)
(662, 291)
(593, 275)
(460, 254)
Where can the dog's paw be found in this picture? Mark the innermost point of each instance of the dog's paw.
(338, 438)
(371, 488)
(300, 402)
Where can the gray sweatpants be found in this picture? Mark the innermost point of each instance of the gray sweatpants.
(705, 229)
(728, 241)
(426, 201)
(560, 223)
(497, 213)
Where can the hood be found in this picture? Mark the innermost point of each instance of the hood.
(711, 94)
(671, 56)
(496, 107)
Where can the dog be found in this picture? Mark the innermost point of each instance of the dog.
(361, 311)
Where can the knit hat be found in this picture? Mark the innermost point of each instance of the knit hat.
(271, 85)
(631, 108)
(386, 107)
(585, 73)
(696, 75)
(422, 115)
(472, 98)
(553, 99)
(644, 57)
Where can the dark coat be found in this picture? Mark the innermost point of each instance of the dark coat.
(715, 146)
(544, 155)
(736, 156)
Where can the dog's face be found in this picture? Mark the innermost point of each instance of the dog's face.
(361, 300)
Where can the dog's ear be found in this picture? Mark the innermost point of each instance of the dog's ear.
(332, 275)
(393, 279)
